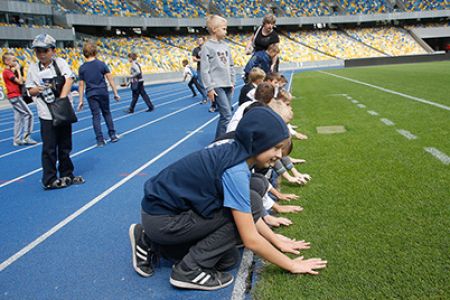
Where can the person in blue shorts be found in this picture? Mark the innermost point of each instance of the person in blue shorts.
(199, 208)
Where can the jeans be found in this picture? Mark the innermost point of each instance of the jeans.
(223, 103)
(23, 118)
(100, 104)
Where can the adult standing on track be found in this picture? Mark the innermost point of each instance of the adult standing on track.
(264, 36)
(137, 85)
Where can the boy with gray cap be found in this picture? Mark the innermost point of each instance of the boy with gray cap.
(49, 80)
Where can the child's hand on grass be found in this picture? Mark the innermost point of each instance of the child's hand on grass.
(289, 208)
(307, 266)
(288, 197)
(295, 180)
(292, 246)
(277, 221)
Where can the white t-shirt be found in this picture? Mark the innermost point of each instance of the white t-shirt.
(238, 116)
(188, 73)
(34, 79)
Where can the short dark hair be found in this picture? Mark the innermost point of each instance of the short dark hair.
(89, 49)
(264, 92)
(272, 77)
(133, 56)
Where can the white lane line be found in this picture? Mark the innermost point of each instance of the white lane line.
(407, 134)
(89, 127)
(94, 201)
(444, 158)
(240, 285)
(387, 122)
(6, 183)
(373, 113)
(88, 111)
(354, 101)
(361, 105)
(290, 81)
(124, 133)
(421, 100)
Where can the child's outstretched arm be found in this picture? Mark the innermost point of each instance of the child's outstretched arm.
(264, 245)
(281, 196)
(286, 208)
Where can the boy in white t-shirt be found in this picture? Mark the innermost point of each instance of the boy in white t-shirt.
(190, 75)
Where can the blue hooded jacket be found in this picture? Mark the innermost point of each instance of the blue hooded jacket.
(261, 60)
(195, 181)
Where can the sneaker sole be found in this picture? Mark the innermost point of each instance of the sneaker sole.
(194, 286)
(133, 251)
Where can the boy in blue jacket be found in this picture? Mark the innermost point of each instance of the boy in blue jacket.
(262, 59)
(197, 209)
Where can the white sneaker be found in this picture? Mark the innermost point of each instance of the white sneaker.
(18, 143)
(28, 141)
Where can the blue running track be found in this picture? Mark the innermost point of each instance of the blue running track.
(73, 243)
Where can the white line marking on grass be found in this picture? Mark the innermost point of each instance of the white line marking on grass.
(242, 275)
(444, 158)
(343, 95)
(407, 134)
(94, 201)
(354, 101)
(361, 105)
(390, 91)
(290, 82)
(387, 122)
(373, 113)
(94, 146)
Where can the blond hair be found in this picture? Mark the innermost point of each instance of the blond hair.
(273, 48)
(213, 21)
(256, 74)
(284, 96)
(282, 109)
(269, 19)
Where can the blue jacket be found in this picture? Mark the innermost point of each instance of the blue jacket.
(195, 181)
(261, 60)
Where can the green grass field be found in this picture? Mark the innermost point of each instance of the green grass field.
(378, 206)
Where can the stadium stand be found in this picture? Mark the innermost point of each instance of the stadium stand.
(351, 7)
(420, 5)
(391, 40)
(292, 8)
(242, 8)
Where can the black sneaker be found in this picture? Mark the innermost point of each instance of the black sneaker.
(115, 138)
(101, 143)
(142, 254)
(199, 279)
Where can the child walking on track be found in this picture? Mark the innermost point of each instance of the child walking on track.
(137, 85)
